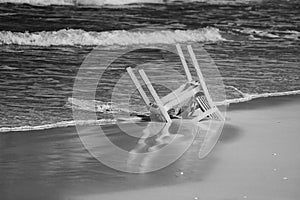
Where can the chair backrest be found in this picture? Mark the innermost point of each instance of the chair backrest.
(204, 105)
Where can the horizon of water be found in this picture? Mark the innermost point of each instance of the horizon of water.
(255, 46)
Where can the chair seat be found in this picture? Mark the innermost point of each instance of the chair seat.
(180, 98)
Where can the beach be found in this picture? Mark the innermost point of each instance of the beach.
(65, 63)
(255, 158)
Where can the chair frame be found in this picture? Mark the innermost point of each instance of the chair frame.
(181, 94)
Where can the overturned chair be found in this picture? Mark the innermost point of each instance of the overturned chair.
(191, 100)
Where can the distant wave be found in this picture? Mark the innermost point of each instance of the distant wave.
(116, 2)
(247, 97)
(79, 2)
(78, 37)
(256, 34)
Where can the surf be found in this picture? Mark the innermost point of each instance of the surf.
(100, 3)
(79, 37)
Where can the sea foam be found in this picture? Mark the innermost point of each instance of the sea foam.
(99, 3)
(256, 34)
(78, 37)
(61, 124)
(249, 97)
(79, 2)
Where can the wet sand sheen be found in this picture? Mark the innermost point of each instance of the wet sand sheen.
(255, 158)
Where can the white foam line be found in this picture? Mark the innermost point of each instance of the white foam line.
(79, 37)
(58, 125)
(249, 97)
(100, 3)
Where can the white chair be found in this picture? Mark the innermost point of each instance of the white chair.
(183, 95)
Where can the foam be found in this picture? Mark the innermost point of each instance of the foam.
(40, 2)
(249, 97)
(255, 34)
(79, 2)
(61, 124)
(99, 3)
(79, 37)
(295, 35)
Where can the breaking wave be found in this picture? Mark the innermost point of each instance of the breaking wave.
(78, 37)
(116, 2)
(255, 34)
(245, 98)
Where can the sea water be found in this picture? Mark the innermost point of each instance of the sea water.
(254, 44)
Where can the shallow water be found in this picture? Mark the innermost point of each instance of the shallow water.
(54, 164)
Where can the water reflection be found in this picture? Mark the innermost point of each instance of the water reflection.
(55, 160)
(160, 144)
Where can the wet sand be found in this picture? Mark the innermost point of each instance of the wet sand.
(255, 158)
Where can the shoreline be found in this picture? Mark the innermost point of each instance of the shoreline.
(71, 124)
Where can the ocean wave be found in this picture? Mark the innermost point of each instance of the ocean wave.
(255, 34)
(78, 37)
(98, 3)
(245, 98)
(295, 35)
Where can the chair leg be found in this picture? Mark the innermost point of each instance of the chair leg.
(184, 64)
(155, 96)
(138, 86)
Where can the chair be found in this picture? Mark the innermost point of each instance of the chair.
(186, 94)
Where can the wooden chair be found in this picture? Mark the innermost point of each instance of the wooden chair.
(183, 95)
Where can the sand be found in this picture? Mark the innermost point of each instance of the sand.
(257, 157)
